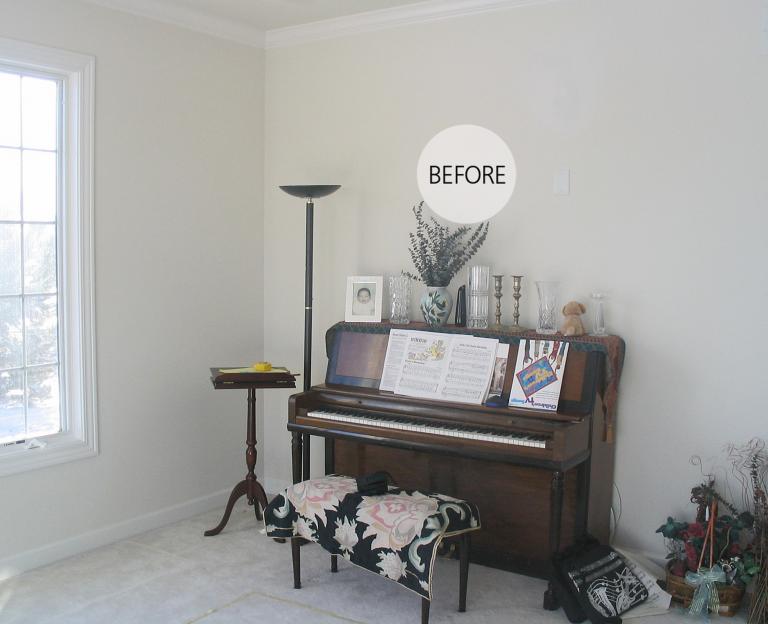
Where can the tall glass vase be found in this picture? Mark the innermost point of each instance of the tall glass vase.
(599, 298)
(547, 307)
(479, 293)
(399, 297)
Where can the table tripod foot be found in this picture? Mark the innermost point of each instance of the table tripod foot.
(239, 490)
(260, 498)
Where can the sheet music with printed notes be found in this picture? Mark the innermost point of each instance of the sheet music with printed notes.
(470, 367)
(393, 361)
(658, 600)
(445, 367)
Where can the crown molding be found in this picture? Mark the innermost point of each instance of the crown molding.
(417, 13)
(188, 18)
(370, 21)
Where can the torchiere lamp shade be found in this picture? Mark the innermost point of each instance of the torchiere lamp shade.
(310, 191)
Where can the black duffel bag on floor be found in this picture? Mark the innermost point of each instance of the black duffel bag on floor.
(594, 581)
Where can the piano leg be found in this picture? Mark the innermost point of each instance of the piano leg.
(299, 451)
(582, 499)
(329, 458)
(305, 456)
(555, 522)
(296, 456)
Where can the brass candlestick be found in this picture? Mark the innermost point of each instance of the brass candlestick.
(497, 294)
(516, 284)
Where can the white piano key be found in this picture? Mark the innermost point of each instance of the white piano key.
(447, 431)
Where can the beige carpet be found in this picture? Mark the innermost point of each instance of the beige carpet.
(174, 575)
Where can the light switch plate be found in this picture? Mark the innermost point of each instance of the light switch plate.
(764, 30)
(562, 182)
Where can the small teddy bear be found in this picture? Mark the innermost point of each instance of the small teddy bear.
(572, 325)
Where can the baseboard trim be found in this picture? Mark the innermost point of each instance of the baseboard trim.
(654, 562)
(36, 557)
(275, 486)
(44, 555)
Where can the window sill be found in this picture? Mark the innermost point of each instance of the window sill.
(59, 449)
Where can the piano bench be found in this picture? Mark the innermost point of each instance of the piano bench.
(395, 535)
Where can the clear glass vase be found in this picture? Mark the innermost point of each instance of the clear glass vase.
(479, 293)
(547, 307)
(399, 298)
(599, 298)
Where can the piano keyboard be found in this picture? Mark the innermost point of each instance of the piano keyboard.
(466, 432)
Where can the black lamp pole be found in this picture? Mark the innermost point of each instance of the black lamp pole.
(308, 280)
(308, 192)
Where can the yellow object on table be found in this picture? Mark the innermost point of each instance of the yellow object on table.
(257, 367)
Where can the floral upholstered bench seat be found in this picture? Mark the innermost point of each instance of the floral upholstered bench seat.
(395, 534)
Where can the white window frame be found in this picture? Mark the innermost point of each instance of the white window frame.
(77, 358)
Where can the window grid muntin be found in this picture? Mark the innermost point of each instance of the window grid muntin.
(23, 295)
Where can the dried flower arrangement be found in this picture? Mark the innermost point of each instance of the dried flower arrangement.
(749, 465)
(439, 253)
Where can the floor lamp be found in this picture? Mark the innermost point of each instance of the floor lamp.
(308, 192)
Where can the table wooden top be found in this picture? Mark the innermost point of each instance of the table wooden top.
(225, 381)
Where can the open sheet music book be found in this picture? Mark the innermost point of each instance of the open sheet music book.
(446, 367)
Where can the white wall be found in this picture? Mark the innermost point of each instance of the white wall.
(178, 214)
(658, 107)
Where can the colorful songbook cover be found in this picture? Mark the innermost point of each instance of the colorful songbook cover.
(539, 372)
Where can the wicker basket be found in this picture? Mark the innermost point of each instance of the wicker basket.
(730, 595)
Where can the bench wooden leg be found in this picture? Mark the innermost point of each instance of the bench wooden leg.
(424, 611)
(463, 570)
(296, 556)
(334, 563)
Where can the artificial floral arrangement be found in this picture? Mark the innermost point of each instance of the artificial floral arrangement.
(723, 540)
(713, 559)
(439, 253)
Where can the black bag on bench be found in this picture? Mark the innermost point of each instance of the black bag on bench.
(374, 484)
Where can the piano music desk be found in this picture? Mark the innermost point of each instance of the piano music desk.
(249, 486)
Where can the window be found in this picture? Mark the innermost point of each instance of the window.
(47, 390)
(29, 213)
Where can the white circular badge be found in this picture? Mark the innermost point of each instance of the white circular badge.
(466, 173)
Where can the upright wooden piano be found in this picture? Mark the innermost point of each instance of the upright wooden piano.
(538, 478)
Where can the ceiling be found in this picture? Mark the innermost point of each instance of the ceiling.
(259, 15)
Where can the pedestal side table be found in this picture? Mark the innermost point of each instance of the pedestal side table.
(250, 486)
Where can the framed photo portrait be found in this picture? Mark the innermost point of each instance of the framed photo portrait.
(364, 297)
